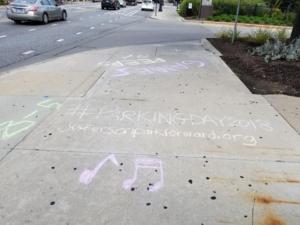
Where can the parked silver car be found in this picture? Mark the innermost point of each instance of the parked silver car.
(35, 10)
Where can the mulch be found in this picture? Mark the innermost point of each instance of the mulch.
(276, 77)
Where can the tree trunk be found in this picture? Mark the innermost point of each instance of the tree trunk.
(296, 29)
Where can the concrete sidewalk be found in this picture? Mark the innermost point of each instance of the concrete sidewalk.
(150, 134)
(289, 104)
(168, 14)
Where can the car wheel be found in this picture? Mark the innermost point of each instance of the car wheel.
(64, 16)
(45, 18)
(17, 21)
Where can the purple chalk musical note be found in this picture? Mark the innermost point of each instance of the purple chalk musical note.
(146, 163)
(87, 175)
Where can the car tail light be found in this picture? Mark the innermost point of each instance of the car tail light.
(33, 8)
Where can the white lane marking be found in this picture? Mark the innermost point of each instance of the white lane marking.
(69, 21)
(80, 18)
(102, 24)
(53, 25)
(60, 40)
(110, 21)
(131, 13)
(33, 29)
(126, 57)
(78, 33)
(28, 52)
(3, 36)
(92, 28)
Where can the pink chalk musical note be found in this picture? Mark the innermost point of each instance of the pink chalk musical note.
(87, 175)
(146, 163)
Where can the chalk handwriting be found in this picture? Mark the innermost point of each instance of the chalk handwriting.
(146, 163)
(162, 69)
(246, 140)
(139, 61)
(87, 175)
(167, 118)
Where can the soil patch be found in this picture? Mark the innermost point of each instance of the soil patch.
(276, 77)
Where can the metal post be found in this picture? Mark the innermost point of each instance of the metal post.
(160, 5)
(156, 9)
(236, 20)
(200, 7)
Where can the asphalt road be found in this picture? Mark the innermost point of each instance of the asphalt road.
(87, 27)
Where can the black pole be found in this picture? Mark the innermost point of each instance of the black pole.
(200, 8)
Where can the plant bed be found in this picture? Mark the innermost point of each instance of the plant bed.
(276, 77)
(263, 20)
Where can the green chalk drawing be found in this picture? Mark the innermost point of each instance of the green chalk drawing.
(49, 104)
(11, 128)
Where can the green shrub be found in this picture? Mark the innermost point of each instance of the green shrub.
(248, 7)
(251, 19)
(246, 20)
(277, 13)
(184, 5)
(290, 17)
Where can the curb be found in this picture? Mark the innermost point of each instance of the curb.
(154, 17)
(241, 24)
(179, 19)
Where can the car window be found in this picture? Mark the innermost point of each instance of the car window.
(52, 2)
(45, 2)
(25, 1)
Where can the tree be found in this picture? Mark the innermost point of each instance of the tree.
(296, 28)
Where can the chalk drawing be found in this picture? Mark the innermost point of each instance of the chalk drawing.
(247, 140)
(114, 113)
(139, 61)
(12, 128)
(162, 69)
(87, 175)
(49, 104)
(31, 114)
(146, 163)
